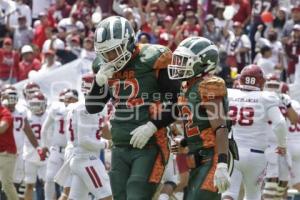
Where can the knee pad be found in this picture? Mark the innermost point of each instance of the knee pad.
(227, 198)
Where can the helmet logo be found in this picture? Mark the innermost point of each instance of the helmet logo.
(100, 36)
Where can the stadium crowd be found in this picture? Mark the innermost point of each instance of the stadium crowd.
(38, 36)
(43, 35)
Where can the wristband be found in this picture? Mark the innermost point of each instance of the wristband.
(222, 158)
(219, 127)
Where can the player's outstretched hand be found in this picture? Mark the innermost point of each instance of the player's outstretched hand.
(42, 153)
(142, 134)
(286, 100)
(105, 72)
(222, 178)
(281, 151)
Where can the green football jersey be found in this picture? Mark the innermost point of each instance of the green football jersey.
(194, 93)
(135, 88)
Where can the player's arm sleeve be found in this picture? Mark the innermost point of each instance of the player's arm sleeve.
(97, 98)
(170, 89)
(46, 134)
(278, 125)
(6, 120)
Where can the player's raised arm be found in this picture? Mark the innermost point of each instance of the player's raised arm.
(98, 95)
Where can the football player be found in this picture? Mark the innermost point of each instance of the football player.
(203, 107)
(277, 174)
(136, 78)
(55, 125)
(34, 167)
(28, 90)
(9, 98)
(250, 109)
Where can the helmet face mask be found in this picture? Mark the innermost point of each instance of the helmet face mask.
(179, 68)
(9, 98)
(194, 57)
(87, 82)
(273, 84)
(37, 103)
(114, 38)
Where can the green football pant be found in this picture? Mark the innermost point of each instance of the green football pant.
(130, 170)
(200, 186)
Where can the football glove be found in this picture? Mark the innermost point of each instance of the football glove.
(285, 100)
(142, 134)
(221, 177)
(105, 72)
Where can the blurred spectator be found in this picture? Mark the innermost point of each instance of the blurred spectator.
(21, 10)
(288, 27)
(40, 31)
(258, 7)
(9, 60)
(238, 48)
(211, 31)
(53, 42)
(162, 8)
(243, 12)
(6, 7)
(50, 62)
(22, 33)
(40, 6)
(272, 41)
(265, 61)
(85, 9)
(167, 33)
(71, 25)
(281, 18)
(219, 20)
(190, 27)
(88, 49)
(61, 9)
(74, 45)
(28, 63)
(144, 38)
(131, 10)
(292, 49)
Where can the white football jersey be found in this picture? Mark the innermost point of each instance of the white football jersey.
(19, 114)
(248, 111)
(85, 127)
(35, 123)
(294, 129)
(56, 121)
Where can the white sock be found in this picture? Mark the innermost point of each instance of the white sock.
(49, 190)
(163, 196)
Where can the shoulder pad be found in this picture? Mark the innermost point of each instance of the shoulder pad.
(270, 99)
(159, 56)
(164, 59)
(212, 88)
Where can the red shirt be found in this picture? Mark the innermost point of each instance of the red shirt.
(8, 61)
(55, 14)
(39, 36)
(243, 12)
(192, 31)
(182, 163)
(7, 140)
(26, 67)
